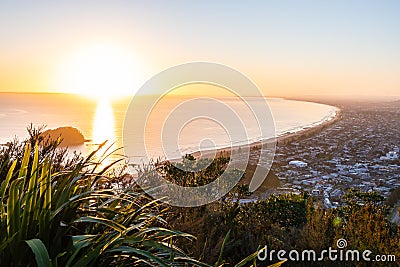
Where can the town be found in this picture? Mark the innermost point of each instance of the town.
(359, 151)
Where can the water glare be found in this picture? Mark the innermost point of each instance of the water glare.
(104, 127)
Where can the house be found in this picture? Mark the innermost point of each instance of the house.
(315, 192)
(392, 155)
(298, 163)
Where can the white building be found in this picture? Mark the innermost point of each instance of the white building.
(392, 155)
(298, 163)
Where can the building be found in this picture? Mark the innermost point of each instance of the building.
(298, 163)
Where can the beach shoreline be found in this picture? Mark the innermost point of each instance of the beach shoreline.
(279, 140)
(310, 131)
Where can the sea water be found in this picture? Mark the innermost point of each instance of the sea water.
(99, 119)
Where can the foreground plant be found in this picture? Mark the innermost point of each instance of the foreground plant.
(66, 218)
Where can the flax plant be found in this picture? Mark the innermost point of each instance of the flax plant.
(65, 218)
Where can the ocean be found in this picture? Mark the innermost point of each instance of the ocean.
(103, 119)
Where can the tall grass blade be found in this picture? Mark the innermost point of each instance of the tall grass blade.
(30, 196)
(40, 251)
(3, 188)
(252, 257)
(25, 159)
(220, 258)
(148, 255)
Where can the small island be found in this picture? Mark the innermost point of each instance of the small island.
(70, 136)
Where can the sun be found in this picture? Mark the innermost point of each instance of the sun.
(100, 70)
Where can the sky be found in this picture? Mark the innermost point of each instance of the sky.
(287, 48)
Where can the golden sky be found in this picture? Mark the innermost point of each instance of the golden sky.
(286, 47)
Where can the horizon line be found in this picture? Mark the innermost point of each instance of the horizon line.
(270, 96)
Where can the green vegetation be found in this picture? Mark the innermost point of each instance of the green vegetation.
(286, 222)
(56, 211)
(66, 215)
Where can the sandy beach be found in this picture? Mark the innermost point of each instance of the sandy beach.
(280, 140)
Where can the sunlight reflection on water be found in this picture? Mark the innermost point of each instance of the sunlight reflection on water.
(104, 128)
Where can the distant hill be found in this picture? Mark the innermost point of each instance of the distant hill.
(270, 182)
(70, 136)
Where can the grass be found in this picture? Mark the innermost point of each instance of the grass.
(68, 218)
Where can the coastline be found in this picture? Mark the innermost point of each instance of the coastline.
(280, 140)
(310, 131)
